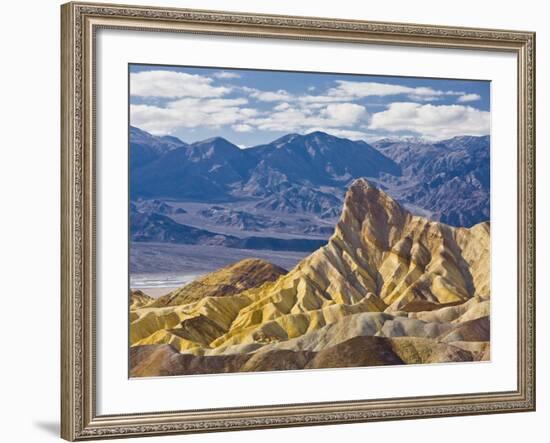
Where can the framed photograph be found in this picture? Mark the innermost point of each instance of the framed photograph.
(282, 221)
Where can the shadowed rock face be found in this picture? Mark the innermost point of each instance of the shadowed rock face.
(154, 360)
(357, 351)
(388, 288)
(477, 330)
(162, 360)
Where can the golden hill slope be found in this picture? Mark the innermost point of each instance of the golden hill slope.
(139, 299)
(380, 248)
(384, 272)
(226, 281)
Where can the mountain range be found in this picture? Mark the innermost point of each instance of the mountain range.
(447, 180)
(450, 179)
(388, 288)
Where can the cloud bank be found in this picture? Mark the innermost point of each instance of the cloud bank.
(168, 101)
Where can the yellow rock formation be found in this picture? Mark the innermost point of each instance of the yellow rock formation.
(427, 278)
(139, 299)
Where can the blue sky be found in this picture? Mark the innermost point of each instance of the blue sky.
(251, 107)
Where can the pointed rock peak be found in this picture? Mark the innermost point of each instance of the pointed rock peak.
(364, 193)
(373, 212)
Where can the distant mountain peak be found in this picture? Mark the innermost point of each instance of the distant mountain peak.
(446, 180)
(406, 139)
(146, 147)
(322, 136)
(469, 137)
(173, 139)
(466, 139)
(319, 134)
(215, 146)
(310, 136)
(281, 141)
(413, 139)
(137, 133)
(213, 140)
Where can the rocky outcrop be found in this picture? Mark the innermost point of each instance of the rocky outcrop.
(230, 280)
(139, 299)
(388, 288)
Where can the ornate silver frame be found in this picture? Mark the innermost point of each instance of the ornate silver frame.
(80, 21)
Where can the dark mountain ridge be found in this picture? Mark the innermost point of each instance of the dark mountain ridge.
(449, 180)
(203, 169)
(322, 159)
(218, 170)
(145, 147)
(156, 227)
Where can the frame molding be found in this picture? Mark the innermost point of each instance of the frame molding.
(79, 22)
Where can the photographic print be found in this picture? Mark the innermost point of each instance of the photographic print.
(294, 220)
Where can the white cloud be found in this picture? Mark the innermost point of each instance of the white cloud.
(432, 121)
(170, 84)
(191, 113)
(208, 105)
(287, 120)
(282, 106)
(242, 127)
(318, 101)
(350, 90)
(188, 101)
(290, 119)
(271, 96)
(345, 114)
(366, 89)
(158, 121)
(469, 98)
(226, 75)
